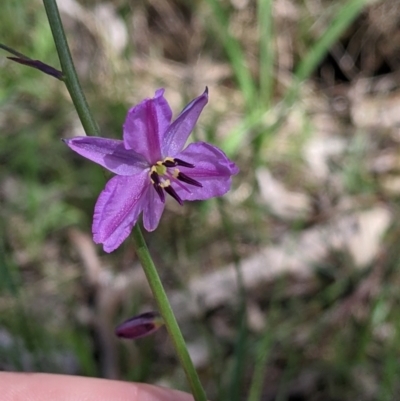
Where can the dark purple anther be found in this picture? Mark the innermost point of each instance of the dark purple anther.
(171, 191)
(180, 162)
(183, 177)
(156, 184)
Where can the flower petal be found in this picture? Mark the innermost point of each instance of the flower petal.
(153, 209)
(109, 153)
(179, 131)
(145, 126)
(140, 326)
(212, 169)
(117, 209)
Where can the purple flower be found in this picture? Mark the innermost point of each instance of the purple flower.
(149, 162)
(140, 326)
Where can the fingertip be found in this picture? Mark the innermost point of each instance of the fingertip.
(51, 387)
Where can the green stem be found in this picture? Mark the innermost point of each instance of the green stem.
(167, 313)
(149, 268)
(68, 69)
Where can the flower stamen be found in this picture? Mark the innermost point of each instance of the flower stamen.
(159, 172)
(183, 177)
(180, 162)
(155, 180)
(170, 162)
(171, 191)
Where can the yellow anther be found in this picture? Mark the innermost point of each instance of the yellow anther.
(165, 183)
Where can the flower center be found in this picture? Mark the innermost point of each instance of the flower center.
(164, 173)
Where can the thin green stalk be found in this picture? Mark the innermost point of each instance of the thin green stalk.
(14, 52)
(167, 313)
(263, 353)
(266, 65)
(68, 69)
(240, 136)
(339, 23)
(239, 367)
(235, 53)
(149, 268)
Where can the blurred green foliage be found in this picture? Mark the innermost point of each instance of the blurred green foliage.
(46, 191)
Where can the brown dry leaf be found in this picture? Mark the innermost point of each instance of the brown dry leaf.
(359, 233)
(286, 204)
(379, 111)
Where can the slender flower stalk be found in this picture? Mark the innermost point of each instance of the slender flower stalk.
(68, 68)
(90, 127)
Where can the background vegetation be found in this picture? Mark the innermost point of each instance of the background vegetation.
(287, 288)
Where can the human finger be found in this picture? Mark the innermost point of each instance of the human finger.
(51, 387)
